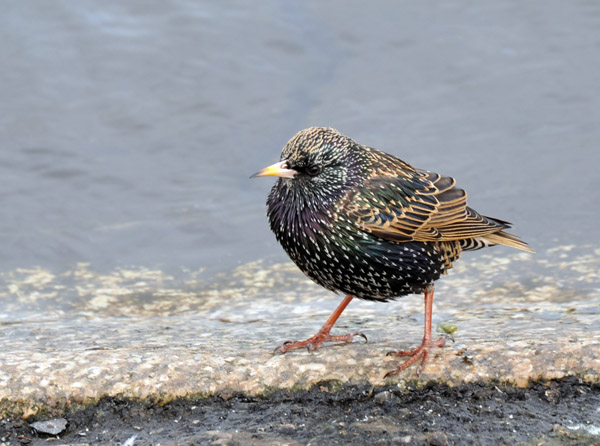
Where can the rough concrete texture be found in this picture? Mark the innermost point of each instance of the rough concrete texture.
(66, 340)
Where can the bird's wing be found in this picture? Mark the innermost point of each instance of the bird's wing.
(424, 207)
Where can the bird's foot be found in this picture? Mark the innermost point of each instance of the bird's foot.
(317, 341)
(420, 352)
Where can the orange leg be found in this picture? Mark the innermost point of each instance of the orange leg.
(423, 350)
(322, 335)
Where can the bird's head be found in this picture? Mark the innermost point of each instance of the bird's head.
(318, 161)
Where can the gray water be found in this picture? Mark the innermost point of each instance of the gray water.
(129, 129)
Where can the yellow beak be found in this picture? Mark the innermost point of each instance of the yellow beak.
(279, 169)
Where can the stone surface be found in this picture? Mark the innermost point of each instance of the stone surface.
(50, 427)
(68, 339)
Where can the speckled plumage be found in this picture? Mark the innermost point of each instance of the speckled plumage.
(369, 224)
(362, 222)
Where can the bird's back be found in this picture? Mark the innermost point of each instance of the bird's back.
(401, 203)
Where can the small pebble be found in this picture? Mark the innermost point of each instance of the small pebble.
(384, 396)
(51, 427)
(437, 439)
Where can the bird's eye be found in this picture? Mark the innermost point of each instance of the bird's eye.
(313, 170)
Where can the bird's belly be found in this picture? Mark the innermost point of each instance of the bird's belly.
(371, 268)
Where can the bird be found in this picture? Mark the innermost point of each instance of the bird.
(363, 223)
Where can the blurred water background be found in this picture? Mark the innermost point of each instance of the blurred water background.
(129, 130)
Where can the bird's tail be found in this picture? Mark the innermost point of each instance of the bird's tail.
(506, 239)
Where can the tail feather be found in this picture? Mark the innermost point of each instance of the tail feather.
(506, 239)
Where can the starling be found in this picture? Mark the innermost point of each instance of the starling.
(364, 223)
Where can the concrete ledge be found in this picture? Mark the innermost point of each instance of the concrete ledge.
(134, 334)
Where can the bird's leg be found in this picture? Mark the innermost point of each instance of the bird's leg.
(322, 335)
(423, 350)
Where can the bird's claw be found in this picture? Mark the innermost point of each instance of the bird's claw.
(316, 342)
(280, 349)
(421, 352)
(449, 336)
(362, 335)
